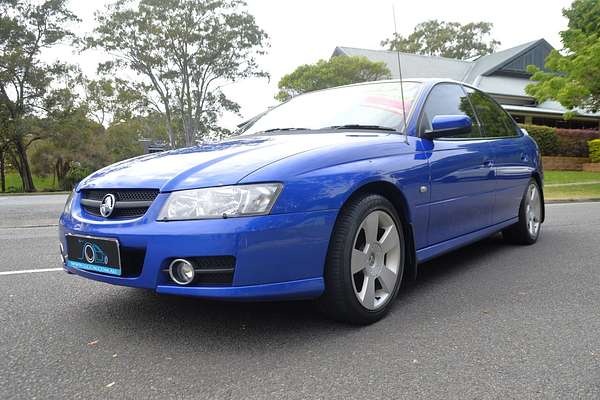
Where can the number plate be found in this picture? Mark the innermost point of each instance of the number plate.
(94, 254)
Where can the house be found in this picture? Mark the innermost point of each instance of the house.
(503, 75)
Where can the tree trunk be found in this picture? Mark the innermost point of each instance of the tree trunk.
(25, 170)
(169, 124)
(2, 173)
(62, 168)
(188, 131)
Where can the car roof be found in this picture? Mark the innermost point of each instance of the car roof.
(428, 81)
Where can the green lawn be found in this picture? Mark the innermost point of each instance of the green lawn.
(42, 184)
(558, 177)
(588, 190)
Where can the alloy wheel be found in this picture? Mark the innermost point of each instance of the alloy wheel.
(533, 210)
(376, 260)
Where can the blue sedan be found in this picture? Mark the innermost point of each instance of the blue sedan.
(335, 195)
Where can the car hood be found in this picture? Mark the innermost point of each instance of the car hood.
(216, 164)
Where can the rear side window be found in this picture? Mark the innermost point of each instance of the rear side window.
(448, 99)
(494, 120)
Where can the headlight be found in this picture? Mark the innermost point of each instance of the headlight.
(69, 203)
(220, 202)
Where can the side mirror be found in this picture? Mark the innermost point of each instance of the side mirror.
(449, 125)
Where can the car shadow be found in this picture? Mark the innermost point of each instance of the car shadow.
(455, 263)
(241, 325)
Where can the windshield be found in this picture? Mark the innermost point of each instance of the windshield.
(374, 105)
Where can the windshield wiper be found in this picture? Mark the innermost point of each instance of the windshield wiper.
(284, 129)
(367, 127)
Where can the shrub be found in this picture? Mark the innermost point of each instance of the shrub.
(545, 137)
(574, 142)
(594, 148)
(75, 175)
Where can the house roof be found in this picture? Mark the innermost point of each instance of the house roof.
(510, 62)
(488, 64)
(413, 65)
(503, 74)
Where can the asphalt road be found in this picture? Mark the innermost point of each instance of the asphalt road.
(489, 321)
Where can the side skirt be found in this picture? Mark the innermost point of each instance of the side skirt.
(435, 250)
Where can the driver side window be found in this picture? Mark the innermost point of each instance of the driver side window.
(448, 99)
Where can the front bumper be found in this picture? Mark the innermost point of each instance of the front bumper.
(277, 256)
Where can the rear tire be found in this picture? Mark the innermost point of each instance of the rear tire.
(365, 261)
(527, 230)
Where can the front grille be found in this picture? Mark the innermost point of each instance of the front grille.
(129, 203)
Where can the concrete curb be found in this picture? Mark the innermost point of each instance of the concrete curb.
(566, 201)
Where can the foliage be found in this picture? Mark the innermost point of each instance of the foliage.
(573, 76)
(594, 148)
(71, 138)
(76, 173)
(546, 138)
(181, 52)
(337, 71)
(123, 138)
(573, 142)
(562, 142)
(26, 28)
(446, 39)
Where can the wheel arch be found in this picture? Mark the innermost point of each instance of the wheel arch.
(538, 179)
(398, 200)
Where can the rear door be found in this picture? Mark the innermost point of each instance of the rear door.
(462, 184)
(512, 155)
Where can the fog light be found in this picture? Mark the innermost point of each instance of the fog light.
(182, 271)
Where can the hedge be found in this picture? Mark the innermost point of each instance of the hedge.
(546, 138)
(562, 142)
(594, 146)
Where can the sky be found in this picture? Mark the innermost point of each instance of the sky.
(304, 31)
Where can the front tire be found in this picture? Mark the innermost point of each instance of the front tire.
(527, 230)
(365, 261)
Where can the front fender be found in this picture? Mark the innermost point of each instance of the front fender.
(328, 187)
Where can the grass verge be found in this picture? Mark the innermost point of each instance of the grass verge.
(42, 183)
(571, 185)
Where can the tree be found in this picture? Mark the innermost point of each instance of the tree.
(4, 147)
(27, 27)
(337, 71)
(446, 39)
(573, 76)
(123, 137)
(181, 52)
(72, 138)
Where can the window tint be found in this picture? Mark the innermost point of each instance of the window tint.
(448, 99)
(494, 120)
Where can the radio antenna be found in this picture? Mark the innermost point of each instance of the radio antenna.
(400, 74)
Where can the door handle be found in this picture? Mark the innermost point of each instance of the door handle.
(488, 163)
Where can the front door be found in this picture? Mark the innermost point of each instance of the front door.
(461, 168)
(513, 163)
